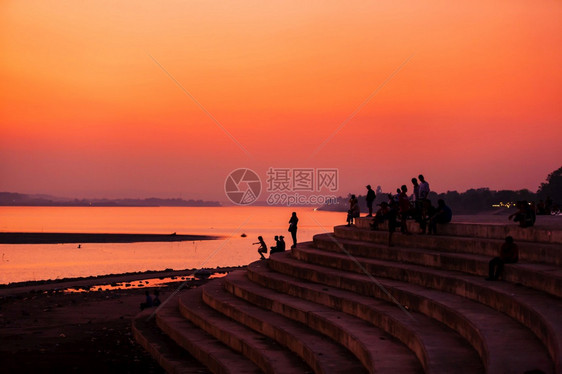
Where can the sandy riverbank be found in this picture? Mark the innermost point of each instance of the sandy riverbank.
(45, 329)
(61, 238)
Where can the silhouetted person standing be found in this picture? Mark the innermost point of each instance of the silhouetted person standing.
(417, 201)
(404, 206)
(424, 188)
(416, 189)
(509, 254)
(370, 199)
(353, 211)
(396, 197)
(293, 228)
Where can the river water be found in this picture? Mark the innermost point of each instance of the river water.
(25, 262)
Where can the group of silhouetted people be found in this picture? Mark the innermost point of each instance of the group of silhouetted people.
(278, 247)
(150, 301)
(401, 207)
(280, 239)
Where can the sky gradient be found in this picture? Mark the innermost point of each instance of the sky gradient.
(468, 93)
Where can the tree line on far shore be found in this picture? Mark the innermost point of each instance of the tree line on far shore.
(17, 199)
(477, 200)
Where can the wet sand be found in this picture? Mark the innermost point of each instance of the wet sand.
(60, 238)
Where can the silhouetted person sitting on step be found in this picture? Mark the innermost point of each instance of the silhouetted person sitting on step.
(262, 248)
(280, 247)
(274, 247)
(524, 215)
(443, 214)
(509, 254)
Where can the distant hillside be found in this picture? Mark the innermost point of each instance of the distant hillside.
(17, 199)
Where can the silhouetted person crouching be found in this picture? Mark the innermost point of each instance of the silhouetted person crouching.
(262, 248)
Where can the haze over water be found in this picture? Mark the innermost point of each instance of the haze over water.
(24, 262)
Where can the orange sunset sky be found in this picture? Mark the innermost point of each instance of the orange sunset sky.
(469, 93)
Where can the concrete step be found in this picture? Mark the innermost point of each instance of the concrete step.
(164, 350)
(438, 348)
(378, 351)
(538, 311)
(534, 234)
(546, 253)
(267, 354)
(319, 352)
(208, 350)
(547, 278)
(483, 327)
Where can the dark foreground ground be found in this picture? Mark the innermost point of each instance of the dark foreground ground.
(44, 330)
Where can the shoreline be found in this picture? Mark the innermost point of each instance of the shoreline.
(63, 238)
(18, 288)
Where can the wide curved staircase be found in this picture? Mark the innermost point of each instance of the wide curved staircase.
(347, 302)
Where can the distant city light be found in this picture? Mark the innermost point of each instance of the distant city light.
(503, 205)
